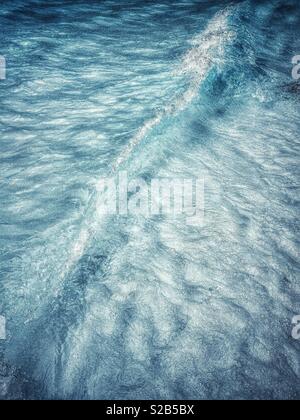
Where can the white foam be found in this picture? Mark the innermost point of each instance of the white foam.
(207, 50)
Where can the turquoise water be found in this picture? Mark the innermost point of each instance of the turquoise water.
(135, 307)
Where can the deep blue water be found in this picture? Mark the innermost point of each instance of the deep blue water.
(149, 308)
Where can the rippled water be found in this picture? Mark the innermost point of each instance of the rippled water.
(149, 308)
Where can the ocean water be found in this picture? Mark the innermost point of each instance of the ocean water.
(149, 307)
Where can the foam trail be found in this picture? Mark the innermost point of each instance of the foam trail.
(207, 50)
